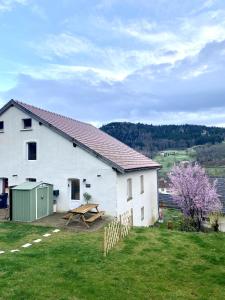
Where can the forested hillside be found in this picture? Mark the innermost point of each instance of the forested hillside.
(150, 138)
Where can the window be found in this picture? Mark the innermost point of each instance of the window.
(27, 123)
(129, 189)
(32, 151)
(31, 179)
(142, 213)
(1, 125)
(142, 183)
(75, 189)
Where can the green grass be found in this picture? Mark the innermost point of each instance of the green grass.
(168, 162)
(152, 263)
(217, 171)
(14, 234)
(189, 154)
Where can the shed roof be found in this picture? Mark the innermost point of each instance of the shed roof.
(26, 186)
(95, 141)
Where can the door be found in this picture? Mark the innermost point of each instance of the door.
(3, 185)
(74, 192)
(42, 202)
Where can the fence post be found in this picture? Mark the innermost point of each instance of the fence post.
(105, 241)
(131, 218)
(120, 226)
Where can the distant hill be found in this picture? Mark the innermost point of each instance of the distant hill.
(150, 139)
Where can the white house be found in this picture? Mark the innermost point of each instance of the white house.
(76, 157)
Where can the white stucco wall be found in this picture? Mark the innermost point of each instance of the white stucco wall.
(57, 161)
(148, 199)
(222, 223)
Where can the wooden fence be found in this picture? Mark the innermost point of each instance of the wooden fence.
(117, 230)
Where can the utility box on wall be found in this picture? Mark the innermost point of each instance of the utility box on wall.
(31, 201)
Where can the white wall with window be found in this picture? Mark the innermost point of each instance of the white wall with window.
(142, 186)
(1, 126)
(32, 151)
(144, 196)
(59, 163)
(142, 213)
(56, 162)
(129, 189)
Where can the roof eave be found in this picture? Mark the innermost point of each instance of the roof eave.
(142, 169)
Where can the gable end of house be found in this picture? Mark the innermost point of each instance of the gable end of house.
(118, 168)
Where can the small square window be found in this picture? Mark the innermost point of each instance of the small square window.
(129, 189)
(32, 151)
(27, 123)
(1, 125)
(31, 179)
(142, 213)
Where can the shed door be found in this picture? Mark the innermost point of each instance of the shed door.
(42, 202)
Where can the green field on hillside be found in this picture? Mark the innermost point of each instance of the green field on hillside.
(151, 263)
(168, 158)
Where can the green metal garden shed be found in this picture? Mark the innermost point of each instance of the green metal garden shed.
(31, 201)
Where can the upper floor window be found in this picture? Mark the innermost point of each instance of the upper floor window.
(31, 179)
(1, 126)
(27, 123)
(142, 184)
(129, 189)
(32, 151)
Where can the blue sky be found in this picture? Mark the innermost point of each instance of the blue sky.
(146, 61)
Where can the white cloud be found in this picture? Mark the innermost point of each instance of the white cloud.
(60, 72)
(110, 63)
(144, 31)
(197, 72)
(7, 5)
(186, 36)
(62, 45)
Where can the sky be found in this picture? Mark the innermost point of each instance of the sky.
(156, 62)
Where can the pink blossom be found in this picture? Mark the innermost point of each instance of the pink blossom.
(193, 192)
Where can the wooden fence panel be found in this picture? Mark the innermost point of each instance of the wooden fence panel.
(116, 230)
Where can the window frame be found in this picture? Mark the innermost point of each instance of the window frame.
(24, 125)
(30, 179)
(129, 189)
(3, 126)
(28, 151)
(142, 184)
(142, 213)
(73, 193)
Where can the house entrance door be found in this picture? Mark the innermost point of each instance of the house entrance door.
(74, 192)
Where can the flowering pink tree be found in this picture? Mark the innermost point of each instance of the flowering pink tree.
(193, 192)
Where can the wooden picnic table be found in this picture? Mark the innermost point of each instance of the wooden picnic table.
(84, 209)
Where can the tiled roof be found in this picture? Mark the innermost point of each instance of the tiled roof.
(166, 200)
(93, 139)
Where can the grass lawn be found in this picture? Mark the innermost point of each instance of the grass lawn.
(168, 162)
(189, 154)
(217, 171)
(152, 263)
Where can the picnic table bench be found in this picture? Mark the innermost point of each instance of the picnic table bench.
(82, 211)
